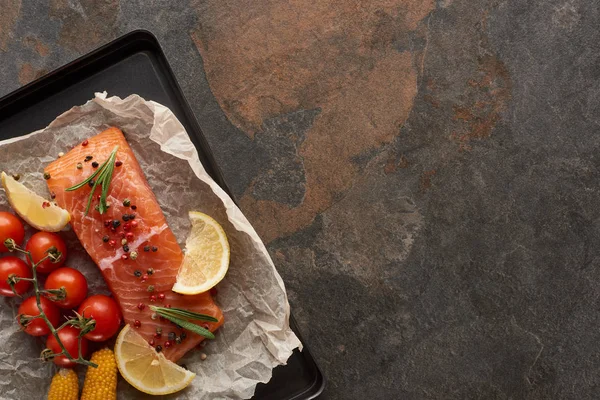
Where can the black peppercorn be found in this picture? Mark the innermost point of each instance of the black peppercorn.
(126, 248)
(154, 249)
(171, 336)
(137, 273)
(146, 248)
(105, 239)
(116, 223)
(159, 348)
(95, 164)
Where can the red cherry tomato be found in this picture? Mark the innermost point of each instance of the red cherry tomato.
(69, 336)
(10, 266)
(106, 313)
(38, 327)
(39, 244)
(72, 281)
(10, 227)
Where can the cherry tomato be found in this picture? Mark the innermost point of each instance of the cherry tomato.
(39, 244)
(38, 327)
(69, 336)
(10, 266)
(10, 227)
(106, 313)
(74, 283)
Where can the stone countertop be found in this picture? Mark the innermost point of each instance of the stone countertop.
(425, 173)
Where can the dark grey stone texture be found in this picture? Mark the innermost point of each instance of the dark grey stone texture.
(446, 246)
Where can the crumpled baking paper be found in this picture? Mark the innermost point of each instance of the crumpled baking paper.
(255, 337)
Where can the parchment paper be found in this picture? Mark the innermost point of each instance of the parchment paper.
(255, 336)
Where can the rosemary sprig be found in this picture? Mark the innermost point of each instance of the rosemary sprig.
(104, 176)
(180, 317)
(185, 314)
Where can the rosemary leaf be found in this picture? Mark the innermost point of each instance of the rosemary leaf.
(188, 325)
(104, 176)
(185, 314)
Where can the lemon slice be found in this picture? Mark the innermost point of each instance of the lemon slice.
(145, 369)
(34, 209)
(206, 256)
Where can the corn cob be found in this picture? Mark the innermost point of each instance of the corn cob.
(101, 383)
(64, 386)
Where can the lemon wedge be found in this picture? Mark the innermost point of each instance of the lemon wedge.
(145, 369)
(206, 256)
(34, 209)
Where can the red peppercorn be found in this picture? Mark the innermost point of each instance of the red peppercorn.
(134, 224)
(107, 223)
(151, 342)
(141, 306)
(118, 163)
(152, 298)
(145, 277)
(137, 323)
(98, 197)
(157, 335)
(113, 229)
(129, 236)
(168, 344)
(161, 296)
(124, 257)
(84, 143)
(168, 306)
(112, 243)
(127, 226)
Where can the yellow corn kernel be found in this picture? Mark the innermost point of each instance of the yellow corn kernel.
(101, 383)
(64, 386)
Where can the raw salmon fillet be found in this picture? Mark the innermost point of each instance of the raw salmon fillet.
(128, 182)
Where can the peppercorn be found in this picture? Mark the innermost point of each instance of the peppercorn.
(183, 335)
(116, 223)
(16, 177)
(60, 154)
(124, 257)
(168, 306)
(151, 342)
(118, 163)
(159, 331)
(79, 165)
(167, 344)
(150, 288)
(134, 224)
(154, 316)
(95, 164)
(137, 323)
(52, 195)
(87, 158)
(150, 271)
(134, 207)
(123, 242)
(46, 176)
(112, 243)
(203, 356)
(107, 223)
(178, 340)
(91, 183)
(172, 335)
(152, 298)
(126, 248)
(161, 296)
(154, 249)
(129, 236)
(141, 306)
(146, 248)
(125, 217)
(133, 255)
(132, 216)
(145, 277)
(105, 239)
(126, 202)
(158, 348)
(84, 143)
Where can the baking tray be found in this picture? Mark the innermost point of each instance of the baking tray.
(135, 63)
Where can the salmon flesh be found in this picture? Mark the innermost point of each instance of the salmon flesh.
(150, 237)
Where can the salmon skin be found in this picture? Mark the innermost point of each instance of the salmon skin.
(153, 240)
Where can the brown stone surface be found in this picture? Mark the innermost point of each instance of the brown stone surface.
(339, 57)
(9, 12)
